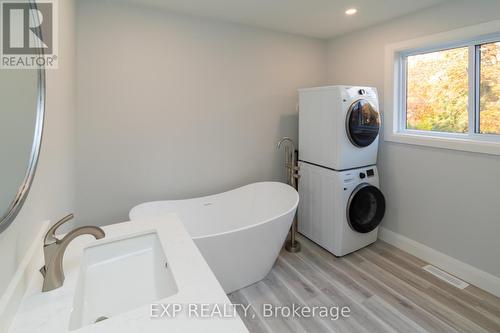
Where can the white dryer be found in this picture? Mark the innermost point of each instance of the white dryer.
(339, 126)
(340, 210)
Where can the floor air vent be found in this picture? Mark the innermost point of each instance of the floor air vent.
(445, 276)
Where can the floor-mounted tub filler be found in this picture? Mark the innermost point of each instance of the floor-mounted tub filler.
(239, 232)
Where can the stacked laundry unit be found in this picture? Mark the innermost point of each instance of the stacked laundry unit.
(341, 205)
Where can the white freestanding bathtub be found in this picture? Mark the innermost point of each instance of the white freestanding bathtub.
(239, 232)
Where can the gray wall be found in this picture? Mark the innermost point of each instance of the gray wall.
(52, 193)
(445, 199)
(172, 106)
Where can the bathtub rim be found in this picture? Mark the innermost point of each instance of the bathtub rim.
(294, 207)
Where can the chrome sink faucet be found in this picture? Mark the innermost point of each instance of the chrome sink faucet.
(54, 248)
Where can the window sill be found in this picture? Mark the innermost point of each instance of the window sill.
(452, 142)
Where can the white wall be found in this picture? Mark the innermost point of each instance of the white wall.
(447, 200)
(173, 106)
(52, 193)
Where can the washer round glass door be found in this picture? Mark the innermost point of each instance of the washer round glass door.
(365, 208)
(363, 123)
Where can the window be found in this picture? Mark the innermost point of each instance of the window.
(444, 90)
(489, 88)
(437, 91)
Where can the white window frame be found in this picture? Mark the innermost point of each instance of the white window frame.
(395, 98)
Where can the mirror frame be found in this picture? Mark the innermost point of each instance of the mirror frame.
(8, 217)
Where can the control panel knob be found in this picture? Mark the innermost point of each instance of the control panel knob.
(362, 92)
(362, 175)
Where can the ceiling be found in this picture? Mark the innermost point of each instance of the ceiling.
(314, 18)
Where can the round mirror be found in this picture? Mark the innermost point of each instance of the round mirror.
(22, 93)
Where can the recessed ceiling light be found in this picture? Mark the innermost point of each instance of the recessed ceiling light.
(351, 11)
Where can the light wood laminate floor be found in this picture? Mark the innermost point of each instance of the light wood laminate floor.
(386, 289)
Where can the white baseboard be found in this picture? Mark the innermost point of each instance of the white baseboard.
(461, 270)
(13, 295)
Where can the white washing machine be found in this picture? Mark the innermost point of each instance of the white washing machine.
(340, 210)
(339, 126)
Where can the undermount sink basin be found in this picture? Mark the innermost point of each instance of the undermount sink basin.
(121, 275)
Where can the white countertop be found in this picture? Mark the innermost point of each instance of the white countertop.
(50, 312)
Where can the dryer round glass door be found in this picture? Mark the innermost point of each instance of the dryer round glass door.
(365, 208)
(363, 123)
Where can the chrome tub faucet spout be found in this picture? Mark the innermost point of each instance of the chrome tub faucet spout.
(54, 248)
